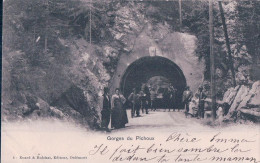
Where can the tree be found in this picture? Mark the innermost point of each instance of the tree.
(231, 65)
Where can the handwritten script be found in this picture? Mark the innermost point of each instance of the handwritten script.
(181, 147)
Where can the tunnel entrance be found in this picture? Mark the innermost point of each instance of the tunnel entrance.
(146, 68)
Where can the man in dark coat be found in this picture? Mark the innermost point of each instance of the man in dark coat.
(173, 95)
(166, 99)
(153, 99)
(143, 100)
(202, 97)
(186, 98)
(148, 97)
(134, 98)
(106, 109)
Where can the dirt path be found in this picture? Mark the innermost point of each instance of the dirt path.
(163, 121)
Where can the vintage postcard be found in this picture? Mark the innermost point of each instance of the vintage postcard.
(156, 81)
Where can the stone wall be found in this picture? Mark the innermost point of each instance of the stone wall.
(175, 46)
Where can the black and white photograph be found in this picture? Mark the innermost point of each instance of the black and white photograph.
(156, 81)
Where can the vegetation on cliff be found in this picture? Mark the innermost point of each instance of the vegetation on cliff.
(49, 51)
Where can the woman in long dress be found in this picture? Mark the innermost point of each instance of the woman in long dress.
(119, 116)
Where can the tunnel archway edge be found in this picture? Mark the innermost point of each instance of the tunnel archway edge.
(156, 59)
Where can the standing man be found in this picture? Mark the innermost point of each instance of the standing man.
(135, 100)
(166, 98)
(202, 97)
(106, 109)
(153, 98)
(144, 101)
(173, 96)
(186, 98)
(148, 97)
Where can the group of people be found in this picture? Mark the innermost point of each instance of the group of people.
(114, 108)
(187, 97)
(195, 104)
(140, 100)
(170, 98)
(147, 98)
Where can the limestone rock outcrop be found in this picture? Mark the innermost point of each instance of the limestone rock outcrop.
(245, 102)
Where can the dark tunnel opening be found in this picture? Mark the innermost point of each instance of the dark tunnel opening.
(145, 68)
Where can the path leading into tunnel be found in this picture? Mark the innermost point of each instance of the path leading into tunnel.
(164, 121)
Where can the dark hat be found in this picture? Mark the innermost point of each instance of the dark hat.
(106, 89)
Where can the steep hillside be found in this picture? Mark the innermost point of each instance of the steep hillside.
(57, 58)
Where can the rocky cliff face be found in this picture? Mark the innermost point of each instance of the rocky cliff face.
(66, 84)
(244, 102)
(66, 80)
